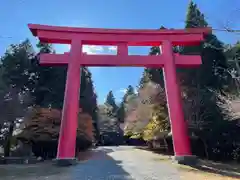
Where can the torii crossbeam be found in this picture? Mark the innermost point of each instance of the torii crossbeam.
(122, 38)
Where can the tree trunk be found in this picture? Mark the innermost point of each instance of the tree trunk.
(7, 144)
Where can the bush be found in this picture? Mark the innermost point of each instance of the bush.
(41, 130)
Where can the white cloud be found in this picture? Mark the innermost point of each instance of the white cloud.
(123, 90)
(92, 49)
(104, 99)
(112, 48)
(89, 49)
(135, 90)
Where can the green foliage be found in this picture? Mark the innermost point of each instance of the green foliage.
(121, 112)
(219, 73)
(14, 78)
(152, 74)
(201, 86)
(49, 81)
(16, 63)
(43, 85)
(122, 108)
(111, 105)
(211, 73)
(50, 87)
(232, 54)
(110, 100)
(194, 17)
(88, 98)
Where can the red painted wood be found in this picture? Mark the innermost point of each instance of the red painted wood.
(95, 36)
(69, 123)
(179, 132)
(113, 60)
(121, 38)
(36, 27)
(54, 59)
(113, 39)
(122, 50)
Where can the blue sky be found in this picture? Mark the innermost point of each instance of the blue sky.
(143, 14)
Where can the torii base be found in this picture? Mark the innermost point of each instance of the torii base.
(65, 162)
(185, 160)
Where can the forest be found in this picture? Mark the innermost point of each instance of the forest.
(31, 100)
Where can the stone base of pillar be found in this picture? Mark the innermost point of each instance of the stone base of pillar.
(185, 160)
(65, 162)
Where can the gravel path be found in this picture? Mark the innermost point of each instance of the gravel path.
(106, 163)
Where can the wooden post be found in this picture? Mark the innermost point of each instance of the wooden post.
(69, 122)
(179, 132)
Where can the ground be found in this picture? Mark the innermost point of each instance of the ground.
(111, 163)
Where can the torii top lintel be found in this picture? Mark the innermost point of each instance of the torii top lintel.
(134, 37)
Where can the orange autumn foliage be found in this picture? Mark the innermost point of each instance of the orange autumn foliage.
(44, 125)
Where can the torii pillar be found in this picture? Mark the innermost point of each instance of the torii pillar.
(75, 59)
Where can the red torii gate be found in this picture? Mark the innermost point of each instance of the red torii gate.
(122, 38)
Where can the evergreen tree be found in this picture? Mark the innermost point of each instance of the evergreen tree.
(14, 80)
(88, 98)
(46, 84)
(146, 77)
(212, 72)
(153, 74)
(16, 63)
(201, 84)
(232, 54)
(111, 105)
(130, 92)
(50, 85)
(121, 110)
(49, 81)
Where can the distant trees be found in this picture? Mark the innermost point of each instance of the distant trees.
(130, 93)
(109, 126)
(147, 113)
(111, 107)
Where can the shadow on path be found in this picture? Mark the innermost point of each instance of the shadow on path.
(22, 171)
(101, 166)
(98, 165)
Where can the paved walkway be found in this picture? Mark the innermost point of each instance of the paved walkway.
(106, 163)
